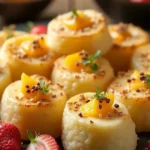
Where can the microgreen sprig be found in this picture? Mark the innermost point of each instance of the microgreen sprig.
(9, 30)
(43, 87)
(147, 82)
(29, 26)
(99, 94)
(90, 60)
(74, 12)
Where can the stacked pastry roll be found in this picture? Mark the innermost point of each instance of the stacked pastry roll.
(96, 122)
(78, 30)
(34, 104)
(134, 89)
(81, 72)
(126, 39)
(29, 54)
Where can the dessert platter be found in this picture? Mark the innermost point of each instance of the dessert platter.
(75, 84)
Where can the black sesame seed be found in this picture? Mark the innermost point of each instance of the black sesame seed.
(116, 106)
(27, 86)
(28, 91)
(100, 106)
(87, 101)
(129, 80)
(80, 114)
(77, 64)
(91, 121)
(138, 90)
(33, 87)
(142, 78)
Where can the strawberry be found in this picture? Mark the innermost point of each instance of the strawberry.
(36, 29)
(39, 29)
(148, 145)
(42, 142)
(10, 138)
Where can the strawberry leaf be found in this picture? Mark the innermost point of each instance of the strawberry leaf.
(31, 137)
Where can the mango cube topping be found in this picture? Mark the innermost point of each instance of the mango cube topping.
(73, 62)
(33, 88)
(78, 21)
(98, 107)
(120, 33)
(36, 48)
(137, 80)
(82, 61)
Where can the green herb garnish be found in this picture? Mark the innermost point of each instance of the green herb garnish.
(29, 26)
(9, 30)
(43, 87)
(90, 60)
(74, 12)
(147, 80)
(99, 95)
(9, 36)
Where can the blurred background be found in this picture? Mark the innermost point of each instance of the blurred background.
(129, 11)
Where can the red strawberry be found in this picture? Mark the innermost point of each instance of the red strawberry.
(39, 29)
(36, 29)
(10, 138)
(42, 142)
(148, 145)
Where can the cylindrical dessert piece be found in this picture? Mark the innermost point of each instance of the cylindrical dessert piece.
(141, 58)
(9, 32)
(81, 72)
(5, 77)
(134, 89)
(34, 104)
(96, 122)
(29, 54)
(77, 30)
(126, 38)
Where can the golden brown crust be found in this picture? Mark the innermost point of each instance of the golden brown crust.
(14, 48)
(120, 86)
(56, 26)
(137, 35)
(141, 58)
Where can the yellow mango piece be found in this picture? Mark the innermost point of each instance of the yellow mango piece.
(107, 107)
(136, 83)
(35, 48)
(81, 21)
(27, 82)
(92, 108)
(72, 62)
(119, 37)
